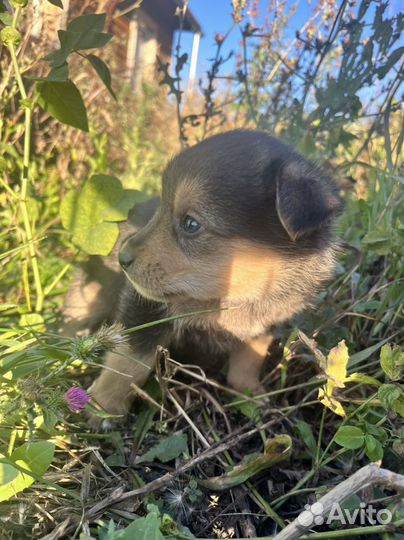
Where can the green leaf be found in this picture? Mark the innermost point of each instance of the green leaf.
(366, 307)
(306, 433)
(362, 378)
(250, 409)
(388, 394)
(83, 214)
(8, 478)
(57, 3)
(63, 101)
(172, 530)
(377, 431)
(360, 356)
(144, 422)
(102, 71)
(399, 406)
(67, 41)
(76, 41)
(393, 59)
(350, 437)
(119, 211)
(351, 503)
(378, 240)
(167, 449)
(85, 23)
(59, 73)
(374, 448)
(145, 528)
(34, 457)
(6, 18)
(49, 421)
(392, 362)
(33, 321)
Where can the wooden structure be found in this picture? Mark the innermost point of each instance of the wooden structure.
(150, 32)
(142, 31)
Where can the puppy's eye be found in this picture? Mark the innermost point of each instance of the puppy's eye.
(190, 225)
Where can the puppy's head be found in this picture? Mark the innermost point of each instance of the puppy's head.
(233, 209)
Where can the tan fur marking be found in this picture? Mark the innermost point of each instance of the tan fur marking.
(245, 364)
(251, 271)
(187, 193)
(234, 270)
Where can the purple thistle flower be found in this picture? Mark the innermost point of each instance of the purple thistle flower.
(77, 399)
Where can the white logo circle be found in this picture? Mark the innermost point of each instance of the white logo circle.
(311, 515)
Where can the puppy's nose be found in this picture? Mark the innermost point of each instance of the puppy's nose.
(125, 259)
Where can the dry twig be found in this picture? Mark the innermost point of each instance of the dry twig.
(370, 475)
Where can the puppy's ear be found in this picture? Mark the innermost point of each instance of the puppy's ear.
(304, 203)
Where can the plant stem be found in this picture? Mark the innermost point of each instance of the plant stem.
(277, 503)
(252, 111)
(344, 421)
(25, 177)
(320, 437)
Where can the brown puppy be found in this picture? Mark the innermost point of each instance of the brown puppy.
(244, 222)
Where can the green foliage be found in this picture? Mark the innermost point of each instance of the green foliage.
(154, 526)
(102, 71)
(85, 32)
(58, 95)
(30, 457)
(91, 214)
(143, 528)
(167, 449)
(334, 92)
(57, 3)
(305, 432)
(392, 362)
(63, 101)
(355, 438)
(350, 437)
(391, 395)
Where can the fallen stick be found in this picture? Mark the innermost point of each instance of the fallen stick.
(369, 475)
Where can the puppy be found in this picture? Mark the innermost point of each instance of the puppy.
(244, 228)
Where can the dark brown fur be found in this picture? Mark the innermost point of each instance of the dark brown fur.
(264, 250)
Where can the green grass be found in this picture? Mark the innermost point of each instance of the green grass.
(194, 456)
(363, 305)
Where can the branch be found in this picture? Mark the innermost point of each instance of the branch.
(370, 475)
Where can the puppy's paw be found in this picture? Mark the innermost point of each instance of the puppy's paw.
(243, 381)
(112, 403)
(102, 424)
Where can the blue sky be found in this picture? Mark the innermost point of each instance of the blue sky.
(215, 17)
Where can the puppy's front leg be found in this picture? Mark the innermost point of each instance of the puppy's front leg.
(245, 364)
(133, 361)
(112, 390)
